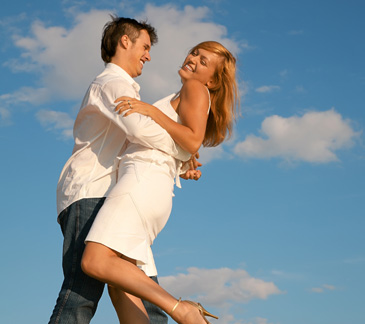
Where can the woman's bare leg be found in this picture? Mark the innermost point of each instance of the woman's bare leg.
(129, 308)
(106, 265)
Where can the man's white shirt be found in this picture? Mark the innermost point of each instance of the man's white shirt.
(101, 135)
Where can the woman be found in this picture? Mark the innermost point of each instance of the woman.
(118, 244)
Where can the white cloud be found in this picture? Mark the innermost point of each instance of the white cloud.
(256, 109)
(329, 287)
(260, 320)
(243, 89)
(317, 290)
(287, 275)
(313, 137)
(296, 32)
(300, 89)
(356, 260)
(322, 289)
(66, 60)
(26, 95)
(55, 120)
(222, 151)
(229, 319)
(267, 89)
(218, 287)
(208, 154)
(178, 31)
(284, 73)
(4, 117)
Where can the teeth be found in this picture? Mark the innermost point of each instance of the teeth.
(189, 67)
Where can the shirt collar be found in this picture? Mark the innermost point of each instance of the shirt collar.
(124, 74)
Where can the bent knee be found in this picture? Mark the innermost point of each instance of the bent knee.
(89, 263)
(95, 260)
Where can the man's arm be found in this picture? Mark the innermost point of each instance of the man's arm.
(138, 128)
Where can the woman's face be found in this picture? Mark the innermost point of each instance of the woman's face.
(200, 64)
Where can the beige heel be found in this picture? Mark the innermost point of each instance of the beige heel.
(203, 312)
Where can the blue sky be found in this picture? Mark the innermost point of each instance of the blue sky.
(273, 232)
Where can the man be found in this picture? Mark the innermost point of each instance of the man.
(90, 173)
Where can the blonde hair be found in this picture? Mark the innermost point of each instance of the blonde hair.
(223, 94)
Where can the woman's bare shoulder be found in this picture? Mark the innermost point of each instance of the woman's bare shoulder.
(192, 87)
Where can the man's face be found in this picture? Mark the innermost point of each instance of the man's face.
(139, 53)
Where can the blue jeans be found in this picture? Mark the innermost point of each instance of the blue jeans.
(80, 294)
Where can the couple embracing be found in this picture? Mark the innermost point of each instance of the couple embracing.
(115, 192)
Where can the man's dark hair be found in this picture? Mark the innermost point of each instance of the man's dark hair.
(119, 26)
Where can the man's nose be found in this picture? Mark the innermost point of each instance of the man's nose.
(148, 56)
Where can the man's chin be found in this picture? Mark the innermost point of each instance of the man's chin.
(136, 74)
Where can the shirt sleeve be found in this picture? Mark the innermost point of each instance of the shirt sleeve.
(138, 128)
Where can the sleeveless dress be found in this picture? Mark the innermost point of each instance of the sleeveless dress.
(139, 205)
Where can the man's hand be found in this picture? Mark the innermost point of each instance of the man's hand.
(192, 173)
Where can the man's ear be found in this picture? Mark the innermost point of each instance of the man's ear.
(124, 41)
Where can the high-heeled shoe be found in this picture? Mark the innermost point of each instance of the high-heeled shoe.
(203, 312)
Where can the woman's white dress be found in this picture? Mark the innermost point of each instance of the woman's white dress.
(139, 205)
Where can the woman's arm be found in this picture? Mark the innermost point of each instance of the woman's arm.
(193, 112)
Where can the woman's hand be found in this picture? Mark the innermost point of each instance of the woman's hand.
(192, 173)
(128, 105)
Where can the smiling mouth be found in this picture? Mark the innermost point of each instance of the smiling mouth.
(188, 67)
